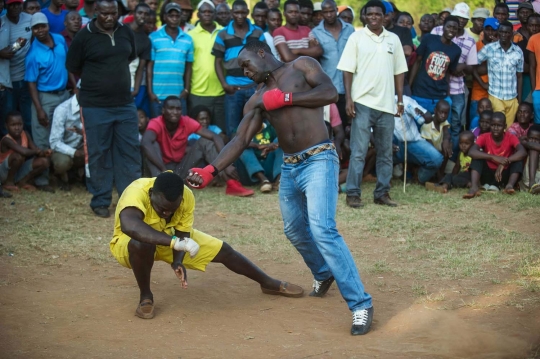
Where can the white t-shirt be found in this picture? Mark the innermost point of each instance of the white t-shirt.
(270, 41)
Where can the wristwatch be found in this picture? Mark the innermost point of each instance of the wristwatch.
(400, 104)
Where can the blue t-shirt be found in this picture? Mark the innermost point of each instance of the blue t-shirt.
(212, 128)
(437, 60)
(47, 67)
(56, 22)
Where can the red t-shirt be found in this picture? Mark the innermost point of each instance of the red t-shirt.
(173, 148)
(506, 148)
(295, 39)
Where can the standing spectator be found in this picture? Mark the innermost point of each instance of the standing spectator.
(317, 16)
(346, 13)
(457, 82)
(479, 15)
(229, 42)
(501, 12)
(108, 113)
(223, 14)
(73, 23)
(260, 12)
(480, 77)
(185, 15)
(205, 86)
(372, 75)
(534, 56)
(272, 4)
(403, 33)
(5, 78)
(525, 10)
(306, 12)
(437, 57)
(66, 140)
(292, 40)
(72, 5)
(88, 11)
(153, 4)
(505, 67)
(533, 28)
(137, 67)
(427, 23)
(443, 15)
(56, 16)
(169, 71)
(332, 35)
(31, 7)
(17, 25)
(47, 78)
(274, 21)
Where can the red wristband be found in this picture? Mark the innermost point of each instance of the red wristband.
(276, 98)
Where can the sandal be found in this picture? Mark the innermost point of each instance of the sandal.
(145, 309)
(471, 195)
(11, 188)
(266, 187)
(535, 189)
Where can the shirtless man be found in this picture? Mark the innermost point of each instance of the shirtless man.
(291, 96)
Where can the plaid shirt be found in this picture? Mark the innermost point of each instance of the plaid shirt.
(468, 55)
(502, 68)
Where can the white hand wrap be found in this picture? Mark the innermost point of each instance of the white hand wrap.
(186, 245)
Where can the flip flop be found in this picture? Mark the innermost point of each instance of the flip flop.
(266, 187)
(29, 187)
(535, 189)
(286, 290)
(471, 195)
(510, 191)
(145, 309)
(11, 188)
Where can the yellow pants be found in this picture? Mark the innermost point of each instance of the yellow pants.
(508, 107)
(209, 248)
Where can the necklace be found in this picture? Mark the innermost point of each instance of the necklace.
(268, 75)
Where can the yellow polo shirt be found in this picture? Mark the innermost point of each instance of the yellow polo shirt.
(204, 81)
(374, 61)
(429, 132)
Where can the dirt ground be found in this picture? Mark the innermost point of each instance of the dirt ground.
(75, 308)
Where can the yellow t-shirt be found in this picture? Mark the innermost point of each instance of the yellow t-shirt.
(464, 162)
(136, 195)
(429, 132)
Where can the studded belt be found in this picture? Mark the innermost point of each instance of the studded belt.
(304, 156)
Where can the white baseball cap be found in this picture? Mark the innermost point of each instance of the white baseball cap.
(462, 10)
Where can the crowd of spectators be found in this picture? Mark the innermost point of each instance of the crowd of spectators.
(103, 92)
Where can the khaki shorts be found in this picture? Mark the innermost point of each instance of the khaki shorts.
(209, 248)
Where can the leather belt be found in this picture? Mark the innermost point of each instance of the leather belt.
(304, 156)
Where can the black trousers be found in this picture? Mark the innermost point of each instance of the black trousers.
(487, 175)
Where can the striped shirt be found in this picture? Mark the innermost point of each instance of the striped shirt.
(295, 39)
(228, 46)
(170, 57)
(502, 69)
(468, 56)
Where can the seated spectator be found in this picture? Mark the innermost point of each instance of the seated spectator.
(73, 24)
(419, 151)
(438, 132)
(55, 15)
(484, 124)
(460, 176)
(483, 105)
(20, 159)
(497, 159)
(531, 174)
(67, 141)
(524, 118)
(202, 115)
(345, 13)
(143, 123)
(427, 23)
(165, 140)
(31, 7)
(263, 158)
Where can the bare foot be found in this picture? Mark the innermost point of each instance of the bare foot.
(509, 190)
(472, 193)
(435, 187)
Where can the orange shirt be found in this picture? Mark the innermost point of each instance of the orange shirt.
(478, 91)
(24, 143)
(534, 47)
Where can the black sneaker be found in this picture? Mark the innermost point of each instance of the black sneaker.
(321, 287)
(101, 212)
(354, 201)
(361, 321)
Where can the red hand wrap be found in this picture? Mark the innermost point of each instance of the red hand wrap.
(207, 175)
(276, 98)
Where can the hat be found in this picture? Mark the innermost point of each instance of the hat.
(461, 10)
(38, 18)
(493, 22)
(172, 6)
(388, 7)
(342, 8)
(13, 1)
(317, 6)
(447, 9)
(481, 13)
(184, 4)
(202, 2)
(525, 5)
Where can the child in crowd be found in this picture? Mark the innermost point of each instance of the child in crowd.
(151, 21)
(484, 124)
(438, 133)
(483, 105)
(143, 122)
(531, 174)
(20, 159)
(524, 118)
(202, 115)
(460, 176)
(497, 158)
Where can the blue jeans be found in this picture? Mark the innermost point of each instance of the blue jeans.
(234, 108)
(112, 145)
(308, 196)
(421, 153)
(429, 104)
(456, 125)
(142, 101)
(271, 165)
(536, 105)
(18, 99)
(383, 132)
(156, 108)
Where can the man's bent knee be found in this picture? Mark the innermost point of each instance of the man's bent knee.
(137, 247)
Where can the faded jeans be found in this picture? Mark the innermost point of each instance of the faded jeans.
(308, 196)
(420, 153)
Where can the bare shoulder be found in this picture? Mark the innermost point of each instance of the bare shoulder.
(255, 101)
(307, 64)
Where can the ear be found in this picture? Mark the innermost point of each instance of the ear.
(261, 53)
